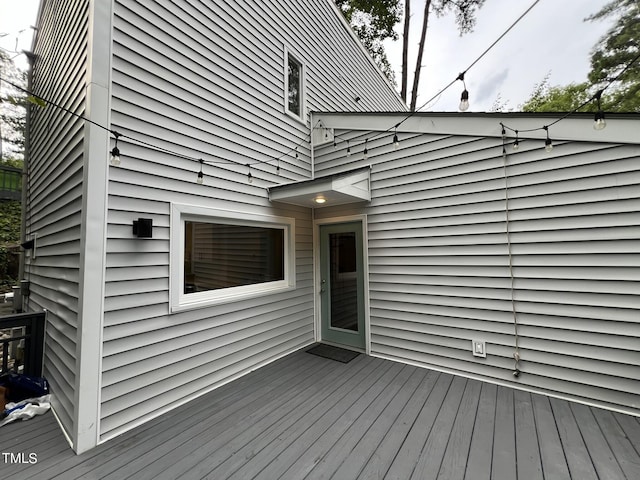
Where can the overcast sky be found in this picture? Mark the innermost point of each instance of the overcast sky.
(16, 18)
(552, 38)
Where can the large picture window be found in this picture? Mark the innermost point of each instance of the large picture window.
(220, 256)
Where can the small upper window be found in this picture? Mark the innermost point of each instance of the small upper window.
(294, 75)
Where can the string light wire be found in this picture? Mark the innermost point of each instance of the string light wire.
(489, 48)
(308, 137)
(516, 352)
(596, 96)
(118, 135)
(460, 75)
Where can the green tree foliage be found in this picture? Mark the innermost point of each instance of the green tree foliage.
(12, 108)
(547, 98)
(9, 239)
(615, 51)
(615, 55)
(373, 22)
(12, 126)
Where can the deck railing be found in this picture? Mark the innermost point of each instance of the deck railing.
(27, 328)
(10, 183)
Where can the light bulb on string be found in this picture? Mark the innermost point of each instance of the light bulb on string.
(200, 174)
(335, 145)
(249, 176)
(396, 142)
(366, 150)
(516, 144)
(504, 133)
(115, 152)
(548, 144)
(599, 123)
(464, 101)
(278, 167)
(296, 152)
(348, 149)
(464, 98)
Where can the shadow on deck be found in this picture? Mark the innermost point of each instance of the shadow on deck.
(307, 417)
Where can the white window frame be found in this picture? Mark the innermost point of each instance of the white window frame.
(181, 213)
(303, 88)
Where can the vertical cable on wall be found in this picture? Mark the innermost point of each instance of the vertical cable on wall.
(516, 353)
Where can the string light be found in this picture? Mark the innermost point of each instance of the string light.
(599, 120)
(504, 133)
(366, 150)
(200, 174)
(464, 98)
(599, 123)
(115, 151)
(348, 149)
(548, 144)
(516, 144)
(249, 176)
(396, 142)
(278, 167)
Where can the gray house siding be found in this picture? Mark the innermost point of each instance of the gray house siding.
(199, 79)
(54, 203)
(439, 257)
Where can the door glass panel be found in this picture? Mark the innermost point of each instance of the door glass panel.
(344, 281)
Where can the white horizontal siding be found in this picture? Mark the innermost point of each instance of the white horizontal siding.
(198, 79)
(54, 205)
(439, 265)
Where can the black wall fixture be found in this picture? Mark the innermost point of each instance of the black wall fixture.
(143, 227)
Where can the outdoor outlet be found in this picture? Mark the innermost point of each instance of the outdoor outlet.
(478, 349)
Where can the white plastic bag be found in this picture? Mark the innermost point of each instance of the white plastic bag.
(26, 409)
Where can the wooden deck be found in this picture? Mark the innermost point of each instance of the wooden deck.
(307, 417)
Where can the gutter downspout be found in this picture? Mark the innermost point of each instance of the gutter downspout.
(25, 174)
(312, 156)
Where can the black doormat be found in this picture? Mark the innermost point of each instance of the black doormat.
(333, 353)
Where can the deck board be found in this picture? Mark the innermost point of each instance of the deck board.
(626, 455)
(603, 459)
(454, 462)
(430, 457)
(301, 456)
(340, 451)
(578, 459)
(504, 440)
(281, 429)
(308, 417)
(387, 451)
(196, 443)
(373, 439)
(528, 460)
(552, 454)
(408, 456)
(481, 448)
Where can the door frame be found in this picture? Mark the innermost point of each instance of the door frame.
(317, 276)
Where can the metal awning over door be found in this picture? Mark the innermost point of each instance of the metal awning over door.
(338, 189)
